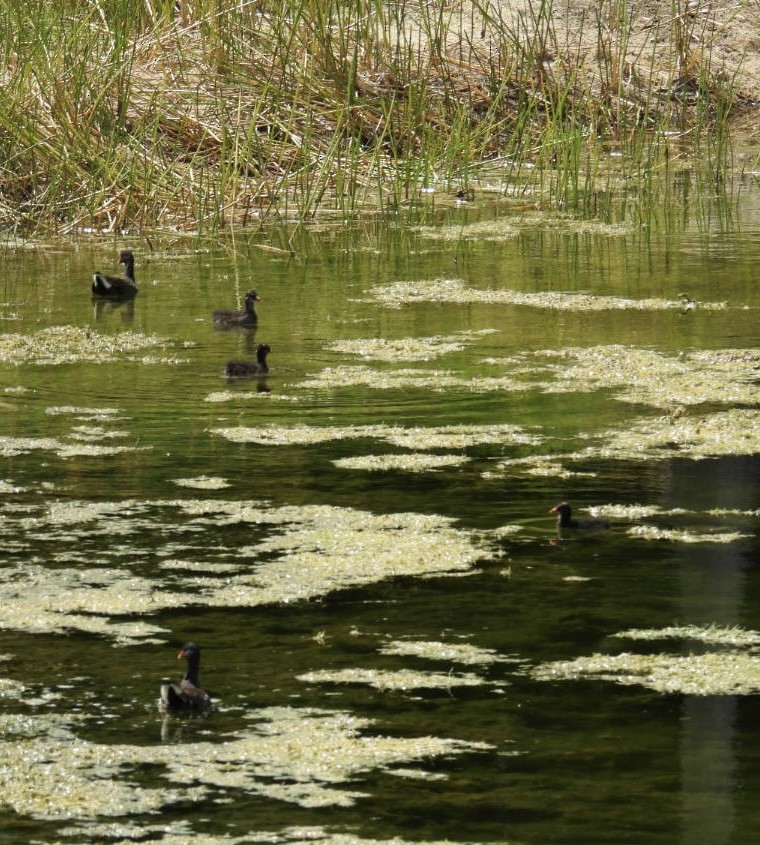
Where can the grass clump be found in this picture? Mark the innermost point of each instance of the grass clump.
(208, 113)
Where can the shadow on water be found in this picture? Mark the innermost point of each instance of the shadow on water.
(398, 643)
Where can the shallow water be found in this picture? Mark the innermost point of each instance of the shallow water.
(386, 636)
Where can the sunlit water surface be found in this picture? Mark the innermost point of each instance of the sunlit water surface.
(361, 542)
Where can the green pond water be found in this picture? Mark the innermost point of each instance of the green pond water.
(399, 645)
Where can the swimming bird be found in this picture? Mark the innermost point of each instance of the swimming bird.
(187, 695)
(249, 369)
(246, 318)
(565, 519)
(117, 287)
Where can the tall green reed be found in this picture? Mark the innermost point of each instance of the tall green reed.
(216, 113)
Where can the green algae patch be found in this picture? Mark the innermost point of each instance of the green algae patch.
(730, 664)
(203, 482)
(695, 437)
(714, 635)
(294, 554)
(12, 446)
(726, 673)
(648, 377)
(306, 757)
(732, 432)
(406, 349)
(399, 294)
(417, 438)
(73, 344)
(652, 532)
(413, 462)
(464, 653)
(400, 681)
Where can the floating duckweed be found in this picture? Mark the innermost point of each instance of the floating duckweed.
(296, 553)
(399, 294)
(645, 376)
(11, 689)
(203, 482)
(711, 634)
(539, 465)
(71, 344)
(419, 438)
(12, 446)
(464, 653)
(500, 229)
(404, 679)
(88, 433)
(414, 462)
(733, 432)
(406, 349)
(651, 532)
(332, 378)
(629, 511)
(302, 756)
(724, 673)
(86, 413)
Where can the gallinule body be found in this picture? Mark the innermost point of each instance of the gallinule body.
(186, 696)
(117, 287)
(245, 318)
(249, 369)
(565, 519)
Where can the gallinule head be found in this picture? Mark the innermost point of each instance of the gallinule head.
(565, 518)
(117, 287)
(247, 317)
(186, 696)
(249, 369)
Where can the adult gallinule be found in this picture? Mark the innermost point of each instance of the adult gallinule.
(186, 696)
(117, 287)
(249, 369)
(246, 318)
(565, 519)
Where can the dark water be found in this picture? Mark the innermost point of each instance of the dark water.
(564, 761)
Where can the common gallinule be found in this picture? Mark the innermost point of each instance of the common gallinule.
(187, 695)
(249, 369)
(565, 519)
(117, 287)
(246, 318)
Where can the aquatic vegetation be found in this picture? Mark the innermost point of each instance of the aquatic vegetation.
(715, 635)
(399, 294)
(11, 446)
(732, 432)
(333, 378)
(724, 673)
(419, 437)
(468, 655)
(648, 377)
(70, 344)
(412, 462)
(652, 532)
(303, 756)
(406, 349)
(203, 482)
(482, 89)
(731, 667)
(398, 681)
(295, 553)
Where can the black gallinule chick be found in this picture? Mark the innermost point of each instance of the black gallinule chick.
(249, 369)
(186, 696)
(565, 519)
(245, 318)
(117, 287)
